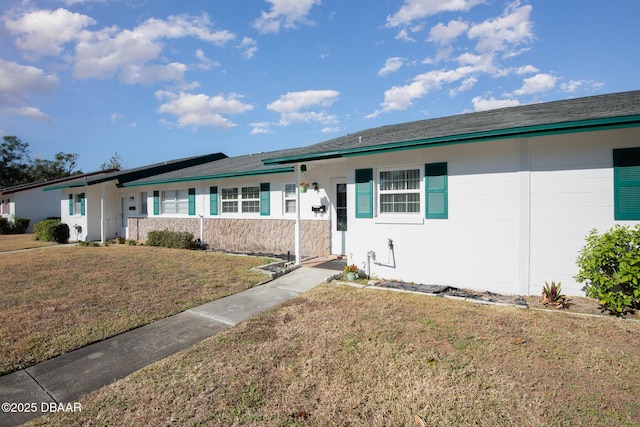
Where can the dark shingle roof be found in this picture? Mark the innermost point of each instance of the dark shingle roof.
(250, 164)
(579, 112)
(143, 171)
(55, 182)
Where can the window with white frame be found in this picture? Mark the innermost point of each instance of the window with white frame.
(251, 199)
(77, 203)
(175, 202)
(230, 200)
(399, 191)
(289, 198)
(243, 199)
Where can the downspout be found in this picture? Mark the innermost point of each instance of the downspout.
(296, 171)
(102, 233)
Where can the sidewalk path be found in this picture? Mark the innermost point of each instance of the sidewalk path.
(63, 379)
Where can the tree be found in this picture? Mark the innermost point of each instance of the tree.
(115, 162)
(17, 168)
(13, 161)
(45, 170)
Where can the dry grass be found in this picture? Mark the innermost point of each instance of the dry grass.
(58, 299)
(344, 356)
(14, 242)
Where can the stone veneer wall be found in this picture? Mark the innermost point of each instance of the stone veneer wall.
(244, 235)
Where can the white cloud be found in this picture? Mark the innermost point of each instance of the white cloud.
(331, 130)
(401, 97)
(527, 69)
(115, 117)
(445, 34)
(391, 65)
(205, 63)
(250, 47)
(293, 107)
(202, 110)
(466, 85)
(500, 34)
(536, 84)
(17, 83)
(483, 104)
(403, 34)
(572, 86)
(284, 13)
(260, 128)
(414, 10)
(31, 112)
(104, 53)
(44, 32)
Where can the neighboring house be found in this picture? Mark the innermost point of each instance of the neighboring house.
(94, 207)
(30, 201)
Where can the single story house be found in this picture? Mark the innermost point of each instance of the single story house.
(498, 200)
(29, 200)
(93, 206)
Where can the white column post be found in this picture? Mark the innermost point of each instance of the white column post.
(296, 171)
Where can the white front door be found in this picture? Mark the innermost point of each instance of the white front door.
(339, 216)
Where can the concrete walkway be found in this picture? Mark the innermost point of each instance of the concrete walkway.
(63, 379)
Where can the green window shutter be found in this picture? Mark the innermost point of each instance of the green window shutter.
(626, 184)
(265, 199)
(364, 193)
(70, 204)
(213, 200)
(192, 201)
(156, 202)
(82, 204)
(436, 191)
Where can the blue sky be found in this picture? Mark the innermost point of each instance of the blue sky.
(155, 80)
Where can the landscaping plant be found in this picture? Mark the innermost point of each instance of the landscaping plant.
(552, 295)
(610, 266)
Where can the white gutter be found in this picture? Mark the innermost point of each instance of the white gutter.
(297, 227)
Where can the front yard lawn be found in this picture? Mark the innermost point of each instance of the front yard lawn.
(345, 356)
(58, 299)
(14, 242)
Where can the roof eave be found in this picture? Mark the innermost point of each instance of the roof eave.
(534, 130)
(286, 169)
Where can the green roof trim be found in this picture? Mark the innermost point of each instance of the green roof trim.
(516, 132)
(63, 186)
(286, 169)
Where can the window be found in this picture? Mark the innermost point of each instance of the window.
(289, 198)
(436, 191)
(400, 191)
(229, 200)
(251, 199)
(175, 202)
(144, 210)
(626, 184)
(76, 204)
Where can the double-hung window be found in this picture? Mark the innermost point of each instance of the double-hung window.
(175, 202)
(289, 198)
(230, 200)
(76, 204)
(400, 191)
(251, 199)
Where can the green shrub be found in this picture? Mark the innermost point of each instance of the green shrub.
(610, 266)
(5, 226)
(43, 230)
(60, 233)
(20, 225)
(89, 244)
(172, 239)
(16, 226)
